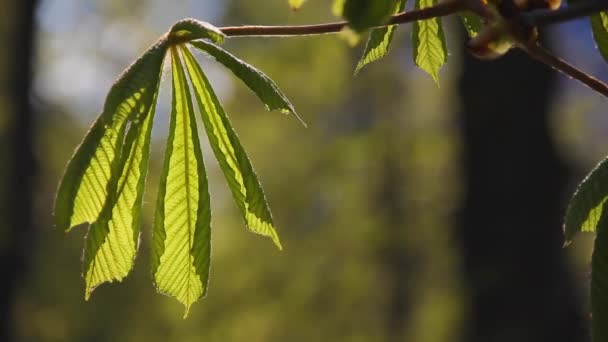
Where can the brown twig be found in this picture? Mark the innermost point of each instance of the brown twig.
(439, 10)
(545, 17)
(544, 56)
(535, 18)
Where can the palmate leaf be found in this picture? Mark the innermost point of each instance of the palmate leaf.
(599, 25)
(379, 40)
(86, 184)
(262, 85)
(112, 240)
(231, 156)
(430, 52)
(363, 14)
(182, 230)
(588, 212)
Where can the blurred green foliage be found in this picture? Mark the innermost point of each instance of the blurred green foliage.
(364, 200)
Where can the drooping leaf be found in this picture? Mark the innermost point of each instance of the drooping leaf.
(233, 160)
(296, 4)
(379, 40)
(471, 22)
(84, 187)
(429, 47)
(588, 212)
(182, 229)
(363, 14)
(112, 240)
(599, 25)
(587, 204)
(257, 81)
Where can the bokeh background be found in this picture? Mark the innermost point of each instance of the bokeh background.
(408, 211)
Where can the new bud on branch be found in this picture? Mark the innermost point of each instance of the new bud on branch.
(501, 30)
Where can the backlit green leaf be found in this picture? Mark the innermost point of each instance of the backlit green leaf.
(84, 187)
(296, 4)
(182, 230)
(256, 80)
(112, 240)
(231, 156)
(379, 40)
(363, 14)
(337, 7)
(430, 52)
(599, 24)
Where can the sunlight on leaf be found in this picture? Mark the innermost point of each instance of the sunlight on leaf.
(112, 240)
(430, 52)
(231, 156)
(379, 40)
(257, 81)
(84, 187)
(182, 229)
(363, 14)
(599, 24)
(587, 204)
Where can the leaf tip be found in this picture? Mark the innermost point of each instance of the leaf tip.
(186, 310)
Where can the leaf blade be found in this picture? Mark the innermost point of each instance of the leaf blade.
(264, 87)
(85, 184)
(182, 230)
(586, 206)
(599, 26)
(379, 41)
(233, 160)
(112, 240)
(363, 14)
(429, 52)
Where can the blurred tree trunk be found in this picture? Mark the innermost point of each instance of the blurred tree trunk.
(17, 156)
(515, 273)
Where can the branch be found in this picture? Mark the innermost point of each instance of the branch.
(545, 17)
(544, 56)
(439, 10)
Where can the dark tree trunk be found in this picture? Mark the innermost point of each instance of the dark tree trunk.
(18, 159)
(515, 273)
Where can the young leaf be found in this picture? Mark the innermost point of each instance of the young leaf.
(587, 204)
(599, 24)
(84, 187)
(296, 4)
(182, 230)
(379, 40)
(472, 23)
(231, 156)
(190, 29)
(430, 52)
(363, 14)
(257, 81)
(112, 240)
